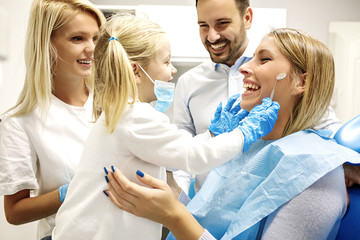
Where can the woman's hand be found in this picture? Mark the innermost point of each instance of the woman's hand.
(157, 203)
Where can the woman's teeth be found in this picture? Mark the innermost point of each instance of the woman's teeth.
(84, 61)
(250, 87)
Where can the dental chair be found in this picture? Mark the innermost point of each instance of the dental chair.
(349, 136)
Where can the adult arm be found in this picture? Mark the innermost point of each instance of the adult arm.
(313, 214)
(157, 203)
(18, 176)
(20, 208)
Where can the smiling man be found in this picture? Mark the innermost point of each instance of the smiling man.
(223, 26)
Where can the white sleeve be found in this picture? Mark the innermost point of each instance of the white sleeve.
(156, 141)
(313, 214)
(183, 179)
(181, 112)
(207, 236)
(17, 159)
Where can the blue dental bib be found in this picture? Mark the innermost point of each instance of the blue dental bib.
(239, 194)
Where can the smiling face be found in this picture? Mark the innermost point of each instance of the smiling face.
(223, 29)
(74, 43)
(259, 78)
(159, 68)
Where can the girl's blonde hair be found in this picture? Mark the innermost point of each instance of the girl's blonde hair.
(311, 57)
(137, 41)
(46, 16)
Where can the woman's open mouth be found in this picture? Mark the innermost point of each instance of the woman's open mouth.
(249, 87)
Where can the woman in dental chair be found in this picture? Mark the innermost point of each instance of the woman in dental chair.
(288, 185)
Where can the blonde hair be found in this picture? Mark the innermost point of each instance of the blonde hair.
(46, 16)
(138, 40)
(310, 56)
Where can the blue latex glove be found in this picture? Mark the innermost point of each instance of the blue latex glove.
(63, 190)
(259, 122)
(227, 119)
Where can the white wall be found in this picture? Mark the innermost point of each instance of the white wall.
(309, 15)
(13, 66)
(312, 16)
(344, 42)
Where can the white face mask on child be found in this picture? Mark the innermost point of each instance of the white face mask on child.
(164, 92)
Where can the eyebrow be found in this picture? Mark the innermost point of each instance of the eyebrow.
(217, 20)
(262, 51)
(167, 58)
(82, 33)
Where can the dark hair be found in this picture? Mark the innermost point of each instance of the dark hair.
(242, 5)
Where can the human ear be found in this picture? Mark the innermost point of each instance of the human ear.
(248, 17)
(136, 70)
(300, 84)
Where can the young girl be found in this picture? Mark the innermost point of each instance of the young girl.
(289, 185)
(131, 54)
(42, 136)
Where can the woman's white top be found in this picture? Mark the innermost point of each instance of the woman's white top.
(42, 154)
(143, 140)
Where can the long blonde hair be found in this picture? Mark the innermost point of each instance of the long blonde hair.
(138, 40)
(46, 16)
(308, 55)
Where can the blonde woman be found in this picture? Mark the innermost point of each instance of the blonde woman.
(43, 135)
(132, 63)
(289, 185)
